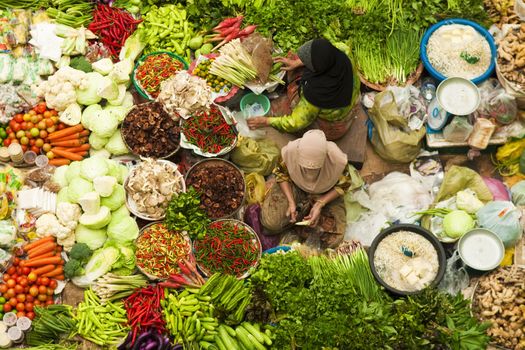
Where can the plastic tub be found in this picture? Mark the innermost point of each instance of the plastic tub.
(438, 76)
(137, 85)
(481, 249)
(252, 98)
(442, 259)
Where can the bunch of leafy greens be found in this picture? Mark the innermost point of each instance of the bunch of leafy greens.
(184, 213)
(323, 302)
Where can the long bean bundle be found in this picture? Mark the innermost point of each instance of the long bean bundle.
(73, 13)
(23, 4)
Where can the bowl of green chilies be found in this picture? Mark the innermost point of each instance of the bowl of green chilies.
(230, 247)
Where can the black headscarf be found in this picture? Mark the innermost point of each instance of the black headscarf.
(330, 83)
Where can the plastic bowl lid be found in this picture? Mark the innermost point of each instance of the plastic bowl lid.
(437, 116)
(458, 96)
(481, 249)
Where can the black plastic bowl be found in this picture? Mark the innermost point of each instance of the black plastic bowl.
(415, 229)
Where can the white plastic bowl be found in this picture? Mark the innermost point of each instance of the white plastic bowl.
(481, 249)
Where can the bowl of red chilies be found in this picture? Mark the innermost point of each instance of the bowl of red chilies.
(208, 133)
(229, 247)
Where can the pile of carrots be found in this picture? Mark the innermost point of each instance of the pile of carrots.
(69, 144)
(44, 258)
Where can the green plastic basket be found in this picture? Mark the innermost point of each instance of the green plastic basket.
(251, 98)
(137, 85)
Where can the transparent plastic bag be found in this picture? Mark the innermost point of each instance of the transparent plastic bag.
(496, 103)
(502, 218)
(458, 130)
(456, 277)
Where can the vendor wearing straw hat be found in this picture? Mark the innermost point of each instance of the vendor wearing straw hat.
(313, 175)
(329, 90)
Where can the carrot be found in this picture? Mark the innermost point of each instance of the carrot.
(44, 248)
(44, 269)
(59, 277)
(59, 161)
(45, 255)
(38, 242)
(79, 149)
(43, 261)
(74, 136)
(66, 154)
(70, 143)
(55, 272)
(65, 132)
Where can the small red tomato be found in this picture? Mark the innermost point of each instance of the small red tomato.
(21, 298)
(20, 314)
(18, 279)
(10, 293)
(44, 281)
(20, 307)
(23, 125)
(33, 291)
(19, 289)
(50, 291)
(35, 149)
(26, 270)
(16, 127)
(13, 302)
(11, 270)
(30, 298)
(7, 307)
(32, 276)
(3, 288)
(23, 281)
(29, 306)
(53, 284)
(6, 277)
(16, 261)
(42, 289)
(37, 302)
(30, 315)
(11, 283)
(42, 297)
(61, 126)
(19, 118)
(50, 301)
(7, 142)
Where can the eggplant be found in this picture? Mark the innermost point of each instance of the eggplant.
(177, 347)
(126, 344)
(150, 340)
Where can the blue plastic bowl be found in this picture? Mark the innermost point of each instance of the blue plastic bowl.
(434, 73)
(283, 248)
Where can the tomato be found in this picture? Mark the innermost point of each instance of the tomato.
(35, 149)
(53, 284)
(20, 314)
(16, 261)
(3, 288)
(7, 308)
(49, 123)
(41, 107)
(23, 281)
(26, 271)
(24, 148)
(10, 293)
(42, 290)
(30, 315)
(19, 289)
(7, 142)
(50, 301)
(33, 291)
(21, 298)
(13, 302)
(16, 127)
(50, 291)
(6, 277)
(23, 126)
(44, 281)
(30, 298)
(54, 112)
(19, 118)
(11, 270)
(32, 276)
(29, 306)
(61, 126)
(43, 134)
(20, 307)
(42, 297)
(18, 279)
(11, 283)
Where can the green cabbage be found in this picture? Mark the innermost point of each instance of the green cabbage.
(93, 238)
(93, 167)
(102, 153)
(117, 112)
(116, 145)
(120, 213)
(97, 142)
(100, 263)
(118, 171)
(116, 200)
(457, 223)
(88, 113)
(98, 220)
(468, 201)
(88, 96)
(63, 195)
(128, 100)
(73, 171)
(123, 229)
(59, 177)
(103, 123)
(77, 188)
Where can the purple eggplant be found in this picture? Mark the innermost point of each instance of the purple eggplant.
(126, 344)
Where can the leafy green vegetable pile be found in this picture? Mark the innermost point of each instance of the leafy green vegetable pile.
(310, 296)
(185, 214)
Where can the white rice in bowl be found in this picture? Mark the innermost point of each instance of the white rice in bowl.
(450, 45)
(400, 271)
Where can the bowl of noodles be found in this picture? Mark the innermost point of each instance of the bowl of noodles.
(458, 48)
(405, 259)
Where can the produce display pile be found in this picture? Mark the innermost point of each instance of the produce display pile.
(122, 228)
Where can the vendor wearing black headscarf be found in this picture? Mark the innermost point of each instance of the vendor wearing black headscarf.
(329, 88)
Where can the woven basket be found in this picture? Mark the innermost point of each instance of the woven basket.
(511, 88)
(379, 87)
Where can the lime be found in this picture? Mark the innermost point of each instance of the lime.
(2, 300)
(3, 134)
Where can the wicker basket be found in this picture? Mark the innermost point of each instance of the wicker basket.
(511, 88)
(379, 87)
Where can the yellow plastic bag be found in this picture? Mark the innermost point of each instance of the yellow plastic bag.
(255, 188)
(256, 156)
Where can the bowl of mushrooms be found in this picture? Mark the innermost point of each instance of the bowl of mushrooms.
(150, 186)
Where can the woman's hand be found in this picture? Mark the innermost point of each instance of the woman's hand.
(257, 122)
(291, 212)
(315, 214)
(289, 64)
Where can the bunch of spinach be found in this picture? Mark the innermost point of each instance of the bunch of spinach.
(185, 214)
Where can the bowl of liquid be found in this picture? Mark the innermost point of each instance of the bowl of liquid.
(481, 249)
